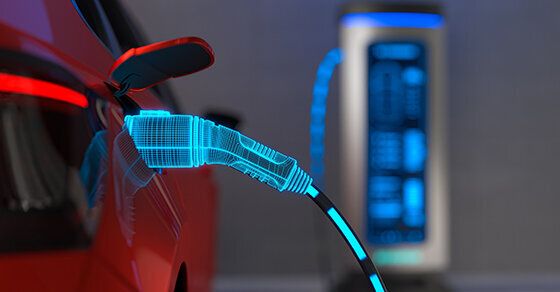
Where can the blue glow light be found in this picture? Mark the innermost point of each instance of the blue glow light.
(397, 257)
(171, 141)
(396, 51)
(393, 19)
(388, 151)
(397, 148)
(414, 150)
(413, 76)
(413, 199)
(385, 210)
(318, 112)
(312, 192)
(354, 243)
(384, 187)
(376, 283)
(413, 193)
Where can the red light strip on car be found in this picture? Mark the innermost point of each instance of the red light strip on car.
(30, 86)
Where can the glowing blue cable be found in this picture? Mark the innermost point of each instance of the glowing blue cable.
(356, 247)
(170, 141)
(365, 262)
(376, 283)
(318, 112)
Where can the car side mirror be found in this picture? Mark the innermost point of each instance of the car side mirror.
(140, 68)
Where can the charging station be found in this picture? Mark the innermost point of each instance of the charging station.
(393, 103)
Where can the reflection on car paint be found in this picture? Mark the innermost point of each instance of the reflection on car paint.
(130, 173)
(94, 169)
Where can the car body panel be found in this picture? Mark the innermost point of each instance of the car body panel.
(174, 213)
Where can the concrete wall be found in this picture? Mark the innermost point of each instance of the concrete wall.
(504, 84)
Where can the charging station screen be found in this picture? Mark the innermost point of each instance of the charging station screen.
(396, 190)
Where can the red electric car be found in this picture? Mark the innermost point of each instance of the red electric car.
(72, 217)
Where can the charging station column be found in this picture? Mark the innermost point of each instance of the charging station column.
(393, 103)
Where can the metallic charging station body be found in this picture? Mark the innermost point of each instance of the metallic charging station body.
(394, 148)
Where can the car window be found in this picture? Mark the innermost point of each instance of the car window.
(93, 14)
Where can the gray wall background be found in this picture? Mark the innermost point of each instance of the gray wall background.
(504, 84)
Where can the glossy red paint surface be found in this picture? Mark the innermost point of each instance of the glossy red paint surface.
(175, 213)
(31, 86)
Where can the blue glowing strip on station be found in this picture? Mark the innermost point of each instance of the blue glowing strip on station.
(354, 243)
(318, 112)
(376, 283)
(393, 19)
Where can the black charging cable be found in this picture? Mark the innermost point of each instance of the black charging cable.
(327, 206)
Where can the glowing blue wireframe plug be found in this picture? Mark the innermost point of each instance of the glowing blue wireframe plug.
(183, 141)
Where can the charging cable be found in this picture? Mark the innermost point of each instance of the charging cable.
(318, 112)
(184, 141)
(317, 150)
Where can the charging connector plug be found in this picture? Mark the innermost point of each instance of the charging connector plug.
(184, 141)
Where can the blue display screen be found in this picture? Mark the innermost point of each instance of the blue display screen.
(397, 149)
